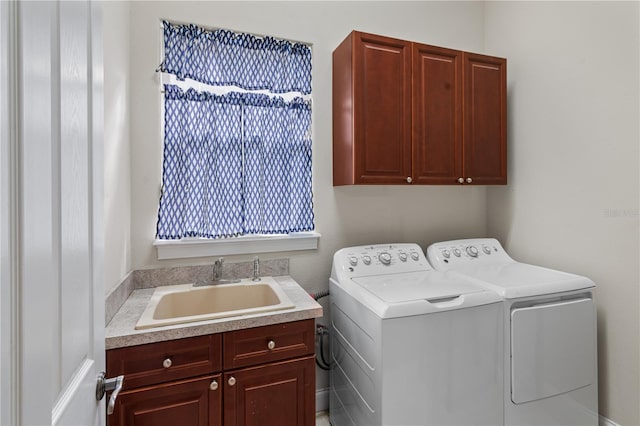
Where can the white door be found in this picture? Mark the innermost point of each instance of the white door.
(55, 230)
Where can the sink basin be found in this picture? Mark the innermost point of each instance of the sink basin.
(185, 303)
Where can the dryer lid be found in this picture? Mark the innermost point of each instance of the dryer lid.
(486, 262)
(514, 279)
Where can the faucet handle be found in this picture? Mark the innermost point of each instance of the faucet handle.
(220, 261)
(256, 269)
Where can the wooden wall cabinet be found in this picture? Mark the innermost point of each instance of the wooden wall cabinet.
(406, 112)
(257, 376)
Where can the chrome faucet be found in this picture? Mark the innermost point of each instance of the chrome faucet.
(217, 275)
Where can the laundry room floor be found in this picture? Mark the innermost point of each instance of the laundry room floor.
(322, 418)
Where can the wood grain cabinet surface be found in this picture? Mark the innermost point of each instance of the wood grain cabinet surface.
(257, 376)
(410, 113)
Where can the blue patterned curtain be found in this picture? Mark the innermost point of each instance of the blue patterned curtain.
(235, 164)
(225, 58)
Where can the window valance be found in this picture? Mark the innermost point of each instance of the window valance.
(225, 58)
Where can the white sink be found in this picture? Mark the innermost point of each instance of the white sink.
(184, 303)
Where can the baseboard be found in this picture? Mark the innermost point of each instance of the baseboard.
(603, 421)
(322, 401)
(322, 404)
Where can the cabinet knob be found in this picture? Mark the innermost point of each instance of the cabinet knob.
(167, 363)
(409, 180)
(271, 345)
(232, 381)
(469, 180)
(214, 385)
(460, 180)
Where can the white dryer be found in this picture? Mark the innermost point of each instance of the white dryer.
(409, 345)
(550, 368)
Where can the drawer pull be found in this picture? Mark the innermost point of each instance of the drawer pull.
(167, 363)
(214, 385)
(271, 345)
(232, 381)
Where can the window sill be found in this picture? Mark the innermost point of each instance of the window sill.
(200, 247)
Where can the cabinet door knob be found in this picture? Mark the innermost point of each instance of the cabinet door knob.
(409, 180)
(167, 363)
(214, 385)
(232, 381)
(469, 180)
(271, 345)
(460, 180)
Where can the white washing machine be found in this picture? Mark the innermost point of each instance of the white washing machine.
(550, 368)
(409, 345)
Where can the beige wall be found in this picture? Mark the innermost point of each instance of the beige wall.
(572, 199)
(344, 216)
(117, 190)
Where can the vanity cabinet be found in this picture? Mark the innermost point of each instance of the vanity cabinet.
(410, 113)
(168, 380)
(270, 375)
(262, 375)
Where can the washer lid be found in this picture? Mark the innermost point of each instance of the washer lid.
(431, 286)
(514, 279)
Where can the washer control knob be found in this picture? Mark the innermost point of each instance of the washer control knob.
(446, 253)
(415, 256)
(486, 249)
(366, 260)
(353, 261)
(457, 252)
(385, 258)
(472, 251)
(403, 256)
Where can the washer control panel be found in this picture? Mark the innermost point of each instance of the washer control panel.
(458, 253)
(381, 259)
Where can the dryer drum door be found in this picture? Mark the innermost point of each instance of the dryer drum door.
(553, 349)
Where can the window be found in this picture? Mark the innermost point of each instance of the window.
(237, 136)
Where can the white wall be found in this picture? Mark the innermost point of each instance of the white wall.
(572, 199)
(117, 191)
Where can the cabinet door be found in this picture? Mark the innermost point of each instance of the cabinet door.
(194, 402)
(485, 119)
(382, 110)
(437, 115)
(280, 394)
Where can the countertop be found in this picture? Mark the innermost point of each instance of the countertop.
(121, 332)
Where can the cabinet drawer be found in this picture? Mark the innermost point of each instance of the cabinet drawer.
(161, 362)
(253, 346)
